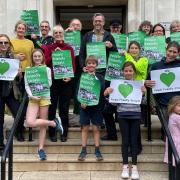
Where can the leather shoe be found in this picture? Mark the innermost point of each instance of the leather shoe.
(53, 138)
(19, 136)
(63, 138)
(108, 138)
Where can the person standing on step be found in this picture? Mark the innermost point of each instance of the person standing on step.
(61, 89)
(22, 48)
(37, 110)
(45, 38)
(76, 25)
(109, 111)
(129, 121)
(8, 94)
(91, 114)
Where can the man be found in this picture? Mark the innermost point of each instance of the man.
(98, 34)
(115, 26)
(45, 39)
(75, 24)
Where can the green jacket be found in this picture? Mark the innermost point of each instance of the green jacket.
(141, 66)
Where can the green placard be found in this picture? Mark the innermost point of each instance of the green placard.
(121, 41)
(98, 49)
(89, 90)
(137, 36)
(32, 21)
(154, 48)
(114, 68)
(62, 64)
(175, 36)
(37, 80)
(73, 38)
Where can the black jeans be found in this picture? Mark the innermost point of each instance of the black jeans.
(108, 115)
(13, 105)
(61, 93)
(129, 132)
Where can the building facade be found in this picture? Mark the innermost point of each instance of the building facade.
(130, 12)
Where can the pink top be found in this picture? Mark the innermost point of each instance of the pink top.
(174, 128)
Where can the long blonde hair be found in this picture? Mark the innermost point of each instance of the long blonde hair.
(37, 50)
(173, 103)
(11, 48)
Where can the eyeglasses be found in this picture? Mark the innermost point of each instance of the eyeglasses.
(44, 26)
(58, 32)
(4, 42)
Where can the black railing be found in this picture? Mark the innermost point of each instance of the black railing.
(8, 150)
(174, 171)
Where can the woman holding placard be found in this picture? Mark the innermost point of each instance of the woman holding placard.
(146, 26)
(38, 105)
(129, 116)
(8, 94)
(61, 89)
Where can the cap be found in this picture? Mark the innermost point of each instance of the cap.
(115, 22)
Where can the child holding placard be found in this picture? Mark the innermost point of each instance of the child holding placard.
(129, 121)
(38, 106)
(174, 125)
(91, 114)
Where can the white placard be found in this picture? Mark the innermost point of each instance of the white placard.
(8, 68)
(126, 91)
(167, 80)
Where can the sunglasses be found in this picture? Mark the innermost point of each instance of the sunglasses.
(4, 42)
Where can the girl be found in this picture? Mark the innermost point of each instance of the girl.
(38, 106)
(174, 125)
(91, 114)
(140, 63)
(129, 121)
(7, 94)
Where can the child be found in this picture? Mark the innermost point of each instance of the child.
(38, 106)
(91, 114)
(7, 93)
(129, 121)
(174, 125)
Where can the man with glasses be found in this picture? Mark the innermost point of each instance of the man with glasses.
(115, 26)
(45, 39)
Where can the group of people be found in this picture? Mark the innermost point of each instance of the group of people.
(41, 111)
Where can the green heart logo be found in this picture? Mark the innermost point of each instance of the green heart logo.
(167, 78)
(125, 89)
(4, 67)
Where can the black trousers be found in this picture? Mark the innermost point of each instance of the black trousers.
(108, 115)
(13, 105)
(61, 93)
(129, 132)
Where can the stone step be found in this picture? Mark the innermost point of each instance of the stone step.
(69, 162)
(85, 175)
(74, 146)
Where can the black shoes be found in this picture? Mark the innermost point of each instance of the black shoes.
(19, 136)
(108, 138)
(63, 138)
(53, 138)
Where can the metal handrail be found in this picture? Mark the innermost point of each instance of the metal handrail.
(171, 147)
(8, 150)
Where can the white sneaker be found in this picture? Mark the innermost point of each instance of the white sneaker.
(134, 173)
(125, 172)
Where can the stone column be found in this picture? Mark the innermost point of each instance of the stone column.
(3, 15)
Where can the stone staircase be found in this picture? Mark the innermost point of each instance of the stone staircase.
(62, 160)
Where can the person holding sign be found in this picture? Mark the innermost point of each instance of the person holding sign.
(90, 95)
(38, 105)
(170, 61)
(98, 34)
(158, 30)
(45, 38)
(129, 121)
(61, 89)
(8, 95)
(146, 26)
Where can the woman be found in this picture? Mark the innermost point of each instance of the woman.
(22, 49)
(7, 93)
(158, 30)
(146, 26)
(61, 89)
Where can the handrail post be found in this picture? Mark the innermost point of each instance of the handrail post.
(10, 162)
(3, 170)
(149, 137)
